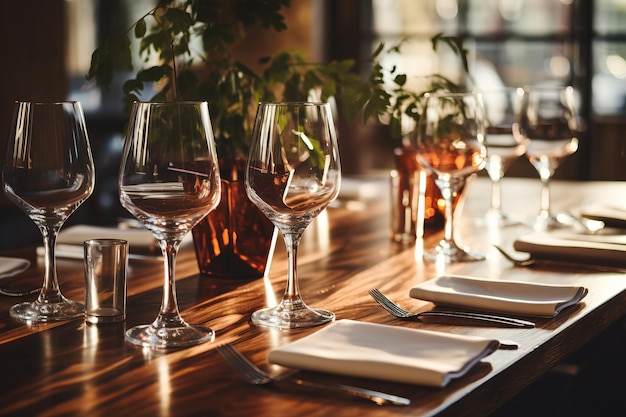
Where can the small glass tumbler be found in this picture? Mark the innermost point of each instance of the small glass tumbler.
(106, 261)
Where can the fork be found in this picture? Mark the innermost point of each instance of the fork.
(531, 262)
(401, 313)
(256, 376)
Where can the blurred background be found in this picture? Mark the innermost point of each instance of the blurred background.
(48, 46)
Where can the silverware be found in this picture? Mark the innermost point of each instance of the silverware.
(401, 313)
(12, 292)
(256, 376)
(533, 262)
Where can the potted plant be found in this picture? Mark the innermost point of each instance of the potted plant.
(236, 239)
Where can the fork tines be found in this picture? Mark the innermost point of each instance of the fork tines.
(391, 307)
(240, 363)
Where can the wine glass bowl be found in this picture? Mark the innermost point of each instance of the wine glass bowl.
(547, 124)
(293, 172)
(48, 172)
(169, 180)
(451, 146)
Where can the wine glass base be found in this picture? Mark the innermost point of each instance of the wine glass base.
(452, 253)
(182, 335)
(35, 312)
(547, 223)
(496, 218)
(284, 317)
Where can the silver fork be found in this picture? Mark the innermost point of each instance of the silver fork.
(401, 313)
(531, 262)
(256, 376)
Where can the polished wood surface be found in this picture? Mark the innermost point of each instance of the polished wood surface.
(73, 368)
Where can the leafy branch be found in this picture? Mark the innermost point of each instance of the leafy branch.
(171, 30)
(397, 103)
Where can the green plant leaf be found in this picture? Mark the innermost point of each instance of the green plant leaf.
(132, 86)
(140, 28)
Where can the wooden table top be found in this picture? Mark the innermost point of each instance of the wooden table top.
(73, 368)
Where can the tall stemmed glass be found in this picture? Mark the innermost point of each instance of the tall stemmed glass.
(293, 173)
(451, 145)
(169, 180)
(501, 109)
(48, 172)
(547, 122)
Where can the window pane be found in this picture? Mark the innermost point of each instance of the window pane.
(609, 78)
(610, 17)
(528, 17)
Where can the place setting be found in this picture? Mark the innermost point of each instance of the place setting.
(595, 242)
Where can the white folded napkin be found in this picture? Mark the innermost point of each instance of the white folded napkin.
(397, 354)
(594, 249)
(78, 252)
(137, 238)
(12, 266)
(612, 216)
(141, 242)
(523, 298)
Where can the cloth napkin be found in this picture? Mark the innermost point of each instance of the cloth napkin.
(523, 298)
(12, 266)
(377, 351)
(612, 216)
(141, 242)
(138, 239)
(609, 250)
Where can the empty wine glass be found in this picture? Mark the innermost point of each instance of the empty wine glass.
(547, 123)
(293, 173)
(169, 180)
(501, 109)
(48, 172)
(451, 146)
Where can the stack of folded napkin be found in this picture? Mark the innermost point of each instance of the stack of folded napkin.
(397, 354)
(513, 297)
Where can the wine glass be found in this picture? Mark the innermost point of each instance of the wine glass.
(501, 109)
(547, 123)
(451, 146)
(293, 173)
(169, 180)
(48, 172)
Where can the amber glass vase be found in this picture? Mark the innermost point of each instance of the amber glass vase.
(417, 204)
(235, 240)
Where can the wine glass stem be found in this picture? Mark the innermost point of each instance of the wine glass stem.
(292, 290)
(448, 195)
(169, 313)
(545, 197)
(496, 199)
(50, 287)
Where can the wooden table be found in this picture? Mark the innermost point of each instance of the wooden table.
(74, 369)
